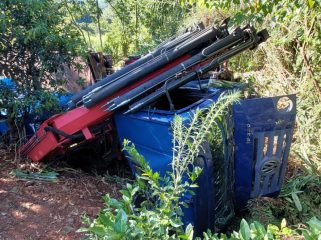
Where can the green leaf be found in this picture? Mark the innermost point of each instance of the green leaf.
(245, 230)
(307, 235)
(311, 3)
(155, 176)
(259, 229)
(283, 223)
(315, 225)
(126, 199)
(125, 193)
(85, 220)
(114, 203)
(82, 230)
(105, 220)
(296, 201)
(134, 191)
(189, 232)
(272, 230)
(120, 221)
(175, 224)
(98, 230)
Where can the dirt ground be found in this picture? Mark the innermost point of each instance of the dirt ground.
(33, 209)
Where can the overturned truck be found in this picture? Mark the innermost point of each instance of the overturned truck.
(139, 103)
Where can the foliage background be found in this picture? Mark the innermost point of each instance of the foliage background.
(39, 37)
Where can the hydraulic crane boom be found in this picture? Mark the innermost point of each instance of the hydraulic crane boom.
(139, 84)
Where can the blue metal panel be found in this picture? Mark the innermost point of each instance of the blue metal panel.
(263, 134)
(203, 203)
(3, 127)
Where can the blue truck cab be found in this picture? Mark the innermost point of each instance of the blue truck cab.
(251, 158)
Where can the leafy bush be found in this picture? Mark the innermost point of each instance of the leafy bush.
(299, 201)
(257, 231)
(36, 42)
(150, 208)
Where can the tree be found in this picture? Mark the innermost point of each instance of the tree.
(36, 41)
(138, 26)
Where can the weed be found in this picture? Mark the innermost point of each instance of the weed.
(299, 201)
